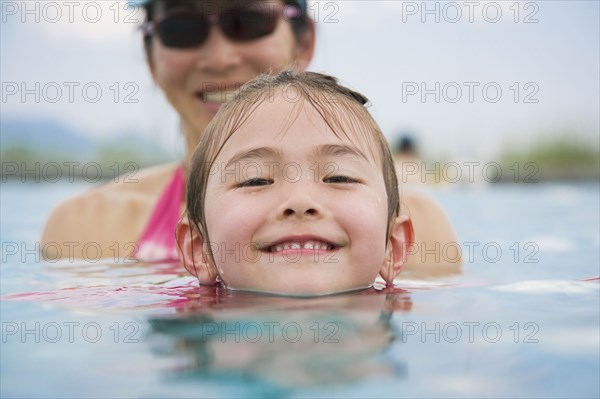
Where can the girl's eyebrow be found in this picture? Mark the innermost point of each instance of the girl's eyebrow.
(340, 150)
(255, 153)
(331, 150)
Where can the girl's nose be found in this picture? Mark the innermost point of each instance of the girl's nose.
(299, 210)
(299, 202)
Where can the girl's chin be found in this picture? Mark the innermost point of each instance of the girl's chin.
(300, 288)
(299, 293)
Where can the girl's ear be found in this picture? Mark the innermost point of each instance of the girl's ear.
(191, 254)
(400, 241)
(305, 48)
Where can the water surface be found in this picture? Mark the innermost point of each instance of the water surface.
(519, 323)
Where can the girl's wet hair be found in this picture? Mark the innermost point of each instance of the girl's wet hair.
(341, 108)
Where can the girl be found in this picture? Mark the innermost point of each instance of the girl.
(293, 190)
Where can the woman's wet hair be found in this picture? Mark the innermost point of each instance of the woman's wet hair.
(299, 24)
(342, 109)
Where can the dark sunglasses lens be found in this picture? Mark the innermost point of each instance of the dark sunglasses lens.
(247, 24)
(183, 31)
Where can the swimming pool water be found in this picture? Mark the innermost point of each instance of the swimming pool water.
(519, 322)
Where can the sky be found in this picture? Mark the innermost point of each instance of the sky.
(467, 78)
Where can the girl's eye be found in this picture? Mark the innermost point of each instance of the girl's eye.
(256, 182)
(339, 179)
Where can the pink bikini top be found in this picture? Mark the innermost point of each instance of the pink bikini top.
(157, 242)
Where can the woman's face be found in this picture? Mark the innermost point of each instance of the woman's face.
(197, 80)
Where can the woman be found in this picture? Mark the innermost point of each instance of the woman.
(199, 52)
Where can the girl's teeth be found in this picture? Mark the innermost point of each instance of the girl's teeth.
(315, 245)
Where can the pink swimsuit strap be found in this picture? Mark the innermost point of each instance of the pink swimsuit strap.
(157, 242)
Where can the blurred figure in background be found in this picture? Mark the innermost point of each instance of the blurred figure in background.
(408, 162)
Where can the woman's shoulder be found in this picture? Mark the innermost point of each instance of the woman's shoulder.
(113, 212)
(145, 184)
(430, 220)
(434, 251)
(148, 180)
(418, 201)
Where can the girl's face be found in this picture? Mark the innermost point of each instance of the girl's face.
(295, 210)
(197, 80)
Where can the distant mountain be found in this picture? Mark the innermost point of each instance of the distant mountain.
(34, 140)
(44, 135)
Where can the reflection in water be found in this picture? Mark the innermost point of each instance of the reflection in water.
(207, 341)
(106, 286)
(209, 333)
(282, 343)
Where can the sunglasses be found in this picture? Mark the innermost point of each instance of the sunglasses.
(188, 29)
